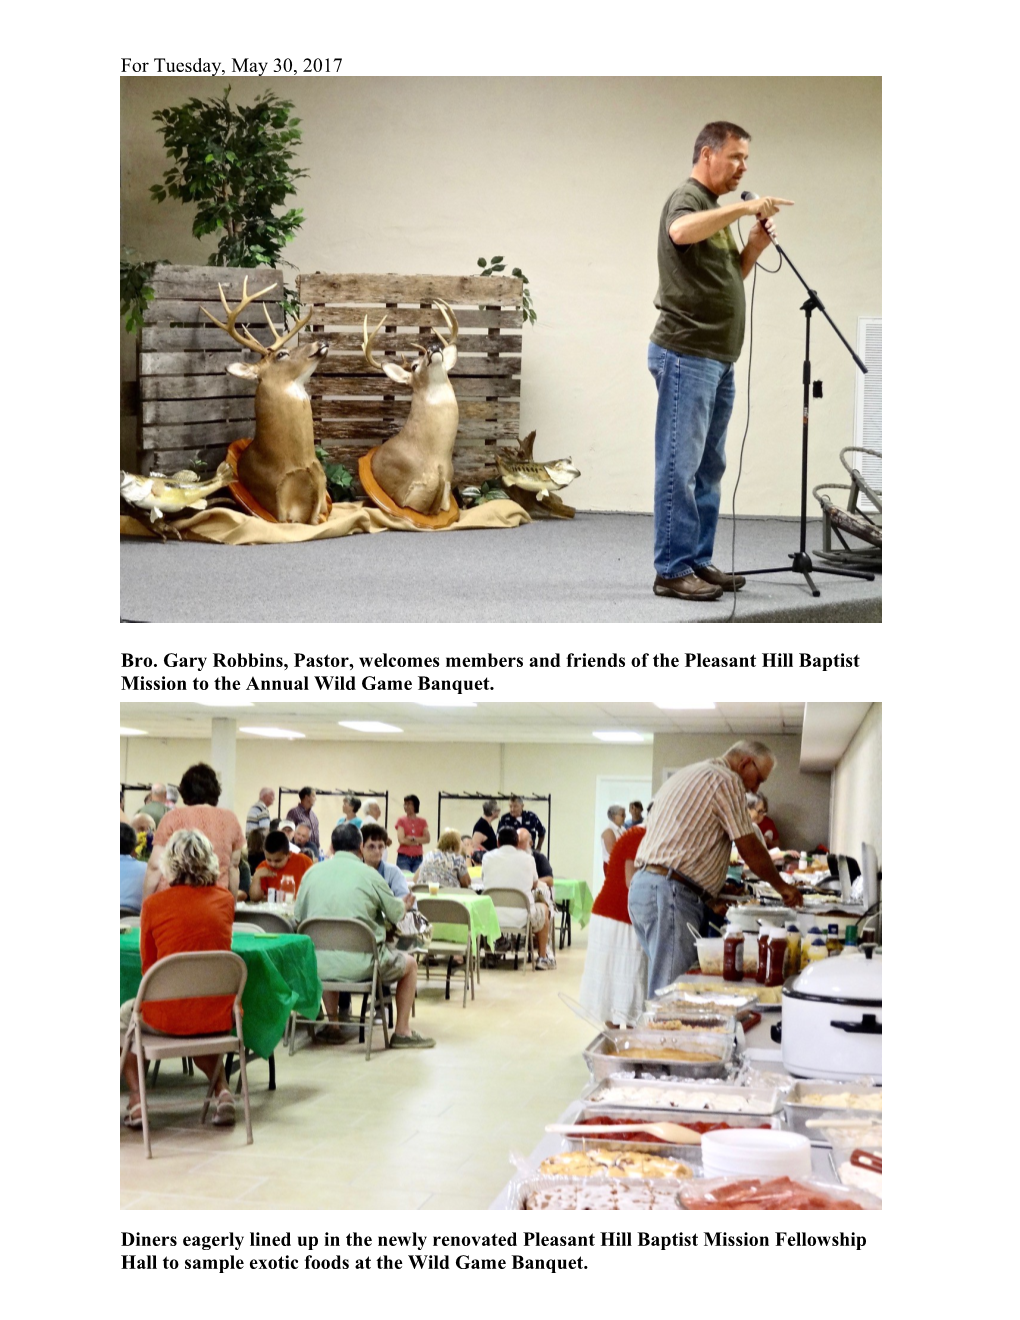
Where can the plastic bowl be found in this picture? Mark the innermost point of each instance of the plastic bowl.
(710, 956)
(749, 1150)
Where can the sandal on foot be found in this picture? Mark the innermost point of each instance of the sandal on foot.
(224, 1115)
(133, 1117)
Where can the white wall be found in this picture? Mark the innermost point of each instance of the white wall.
(566, 177)
(798, 802)
(567, 771)
(857, 790)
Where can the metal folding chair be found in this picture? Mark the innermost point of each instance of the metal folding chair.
(450, 912)
(346, 935)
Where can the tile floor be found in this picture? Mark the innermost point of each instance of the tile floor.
(429, 1130)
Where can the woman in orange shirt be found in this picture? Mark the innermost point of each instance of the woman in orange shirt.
(192, 914)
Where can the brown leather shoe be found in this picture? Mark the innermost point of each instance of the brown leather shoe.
(727, 581)
(689, 587)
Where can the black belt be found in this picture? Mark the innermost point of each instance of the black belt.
(671, 873)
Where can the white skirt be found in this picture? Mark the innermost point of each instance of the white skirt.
(614, 985)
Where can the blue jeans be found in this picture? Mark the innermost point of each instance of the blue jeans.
(695, 402)
(659, 911)
(409, 864)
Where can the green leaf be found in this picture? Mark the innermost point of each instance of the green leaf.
(482, 261)
(495, 259)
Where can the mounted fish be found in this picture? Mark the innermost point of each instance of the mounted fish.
(411, 473)
(537, 483)
(277, 469)
(161, 497)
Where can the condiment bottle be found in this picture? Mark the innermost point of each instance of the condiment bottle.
(817, 950)
(792, 949)
(833, 943)
(777, 947)
(813, 934)
(287, 889)
(763, 946)
(850, 938)
(733, 954)
(803, 861)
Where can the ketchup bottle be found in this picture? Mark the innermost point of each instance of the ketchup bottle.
(777, 946)
(763, 947)
(733, 954)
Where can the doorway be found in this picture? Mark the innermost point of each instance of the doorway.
(610, 790)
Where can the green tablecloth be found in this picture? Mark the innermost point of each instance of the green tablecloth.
(282, 976)
(578, 897)
(483, 916)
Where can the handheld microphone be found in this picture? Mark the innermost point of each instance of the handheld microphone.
(748, 197)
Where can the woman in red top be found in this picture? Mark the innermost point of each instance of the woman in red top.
(192, 914)
(412, 832)
(615, 979)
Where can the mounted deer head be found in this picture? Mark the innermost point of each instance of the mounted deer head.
(279, 467)
(415, 466)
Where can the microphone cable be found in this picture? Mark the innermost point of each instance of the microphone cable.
(747, 420)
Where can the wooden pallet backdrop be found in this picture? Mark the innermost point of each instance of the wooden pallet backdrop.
(356, 408)
(190, 409)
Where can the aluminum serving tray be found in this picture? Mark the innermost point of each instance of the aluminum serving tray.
(601, 1063)
(690, 1018)
(689, 1154)
(665, 1191)
(719, 1099)
(798, 1113)
(713, 1000)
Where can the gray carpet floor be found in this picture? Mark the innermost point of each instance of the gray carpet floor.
(596, 568)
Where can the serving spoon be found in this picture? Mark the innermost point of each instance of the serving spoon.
(674, 1133)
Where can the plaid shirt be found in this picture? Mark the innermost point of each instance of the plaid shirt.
(528, 820)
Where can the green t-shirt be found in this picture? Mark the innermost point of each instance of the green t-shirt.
(701, 291)
(344, 886)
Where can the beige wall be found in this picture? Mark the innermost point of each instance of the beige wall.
(798, 802)
(567, 771)
(567, 177)
(857, 790)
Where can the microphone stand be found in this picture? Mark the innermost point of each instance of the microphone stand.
(802, 560)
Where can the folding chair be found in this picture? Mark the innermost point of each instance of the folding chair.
(130, 921)
(346, 935)
(250, 927)
(515, 929)
(450, 912)
(129, 912)
(267, 920)
(206, 975)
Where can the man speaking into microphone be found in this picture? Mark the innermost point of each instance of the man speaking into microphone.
(696, 340)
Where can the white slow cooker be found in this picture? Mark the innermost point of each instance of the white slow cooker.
(832, 1018)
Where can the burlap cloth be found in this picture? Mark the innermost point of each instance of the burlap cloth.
(229, 527)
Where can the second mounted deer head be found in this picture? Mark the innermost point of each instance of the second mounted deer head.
(414, 468)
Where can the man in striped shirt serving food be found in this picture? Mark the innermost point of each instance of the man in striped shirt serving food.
(682, 861)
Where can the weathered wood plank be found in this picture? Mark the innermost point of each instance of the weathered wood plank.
(201, 281)
(187, 364)
(192, 338)
(468, 318)
(378, 387)
(363, 428)
(165, 310)
(354, 364)
(329, 408)
(220, 386)
(319, 287)
(172, 412)
(470, 466)
(194, 435)
(169, 339)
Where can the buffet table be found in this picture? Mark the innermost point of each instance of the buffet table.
(282, 976)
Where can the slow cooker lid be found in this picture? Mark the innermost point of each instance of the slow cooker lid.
(849, 978)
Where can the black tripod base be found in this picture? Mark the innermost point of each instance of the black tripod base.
(802, 564)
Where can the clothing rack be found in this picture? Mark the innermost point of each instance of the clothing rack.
(135, 788)
(363, 793)
(498, 797)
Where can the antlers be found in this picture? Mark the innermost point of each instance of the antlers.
(245, 338)
(367, 339)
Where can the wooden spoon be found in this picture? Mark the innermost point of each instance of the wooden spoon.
(674, 1133)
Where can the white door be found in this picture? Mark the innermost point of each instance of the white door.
(608, 791)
